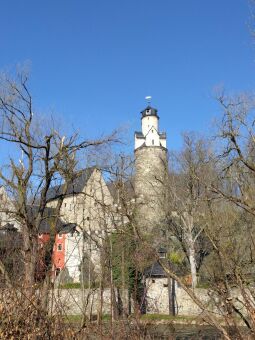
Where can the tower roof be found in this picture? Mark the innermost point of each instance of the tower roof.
(149, 111)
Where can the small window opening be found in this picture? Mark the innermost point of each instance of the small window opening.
(162, 255)
(59, 247)
(165, 285)
(152, 142)
(153, 281)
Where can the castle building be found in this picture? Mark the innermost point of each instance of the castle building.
(87, 204)
(151, 171)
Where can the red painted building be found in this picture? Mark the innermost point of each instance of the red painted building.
(58, 257)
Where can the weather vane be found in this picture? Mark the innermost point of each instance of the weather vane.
(148, 98)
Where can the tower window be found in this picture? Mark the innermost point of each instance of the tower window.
(152, 142)
(152, 131)
(59, 247)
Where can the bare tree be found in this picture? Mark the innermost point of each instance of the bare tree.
(236, 159)
(186, 204)
(45, 155)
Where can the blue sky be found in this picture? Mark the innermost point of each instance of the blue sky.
(93, 62)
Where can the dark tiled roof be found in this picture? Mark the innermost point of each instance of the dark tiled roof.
(46, 222)
(162, 135)
(46, 226)
(139, 134)
(155, 270)
(149, 111)
(68, 228)
(75, 187)
(127, 190)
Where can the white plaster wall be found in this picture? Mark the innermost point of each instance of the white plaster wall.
(157, 296)
(148, 122)
(139, 142)
(163, 142)
(7, 210)
(91, 208)
(152, 138)
(158, 299)
(73, 255)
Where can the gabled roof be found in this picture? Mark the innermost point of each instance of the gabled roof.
(75, 187)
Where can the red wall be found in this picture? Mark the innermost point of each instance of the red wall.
(58, 255)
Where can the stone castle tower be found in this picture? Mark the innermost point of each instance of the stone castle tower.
(150, 171)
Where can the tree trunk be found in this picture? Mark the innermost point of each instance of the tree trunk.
(30, 256)
(189, 227)
(193, 268)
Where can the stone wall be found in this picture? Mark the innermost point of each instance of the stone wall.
(76, 301)
(158, 298)
(150, 176)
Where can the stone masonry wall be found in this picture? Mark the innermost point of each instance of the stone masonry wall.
(151, 170)
(76, 301)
